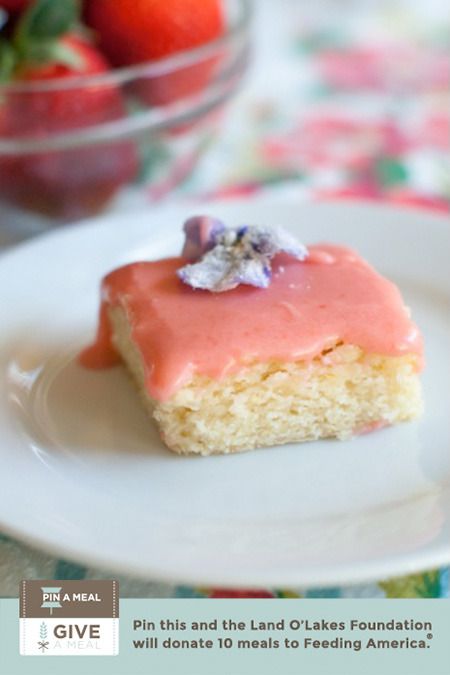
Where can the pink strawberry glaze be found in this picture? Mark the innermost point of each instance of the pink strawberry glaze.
(370, 427)
(333, 295)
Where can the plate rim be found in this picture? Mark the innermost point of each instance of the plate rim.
(441, 218)
(367, 573)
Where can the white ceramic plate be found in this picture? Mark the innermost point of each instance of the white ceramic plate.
(83, 473)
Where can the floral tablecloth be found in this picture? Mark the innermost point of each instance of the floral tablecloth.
(346, 99)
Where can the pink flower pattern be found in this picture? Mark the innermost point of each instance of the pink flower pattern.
(371, 119)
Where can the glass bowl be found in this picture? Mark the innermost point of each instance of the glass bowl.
(69, 146)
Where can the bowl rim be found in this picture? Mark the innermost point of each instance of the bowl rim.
(164, 66)
(154, 118)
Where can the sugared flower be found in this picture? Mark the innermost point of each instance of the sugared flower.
(228, 257)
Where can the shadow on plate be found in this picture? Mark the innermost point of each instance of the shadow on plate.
(65, 408)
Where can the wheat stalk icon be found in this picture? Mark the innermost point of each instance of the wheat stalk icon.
(43, 644)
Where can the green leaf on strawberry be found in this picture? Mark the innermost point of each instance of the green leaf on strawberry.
(39, 39)
(47, 19)
(7, 60)
(55, 51)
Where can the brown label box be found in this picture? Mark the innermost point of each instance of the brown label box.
(69, 599)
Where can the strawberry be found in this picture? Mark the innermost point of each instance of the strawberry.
(138, 31)
(134, 31)
(63, 109)
(13, 6)
(69, 182)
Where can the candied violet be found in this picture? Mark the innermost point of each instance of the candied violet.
(200, 233)
(228, 257)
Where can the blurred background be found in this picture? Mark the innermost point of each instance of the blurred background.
(331, 99)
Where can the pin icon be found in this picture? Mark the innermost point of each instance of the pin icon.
(50, 596)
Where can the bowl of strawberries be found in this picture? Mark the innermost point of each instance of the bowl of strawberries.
(100, 95)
